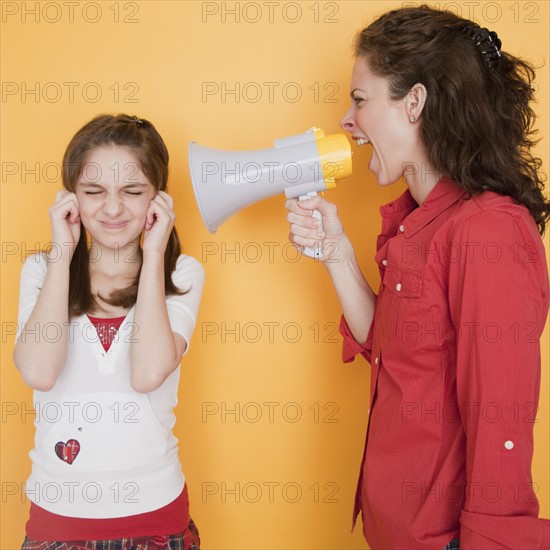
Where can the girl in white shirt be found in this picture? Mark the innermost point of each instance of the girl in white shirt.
(123, 300)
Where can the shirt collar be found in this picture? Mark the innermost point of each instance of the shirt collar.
(405, 209)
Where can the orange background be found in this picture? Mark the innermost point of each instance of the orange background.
(281, 470)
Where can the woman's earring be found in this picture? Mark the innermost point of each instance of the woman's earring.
(412, 119)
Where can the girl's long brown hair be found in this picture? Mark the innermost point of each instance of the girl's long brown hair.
(477, 123)
(146, 144)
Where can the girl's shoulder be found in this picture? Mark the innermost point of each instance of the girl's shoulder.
(188, 271)
(40, 257)
(36, 263)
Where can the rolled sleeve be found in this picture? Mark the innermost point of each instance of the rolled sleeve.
(351, 347)
(499, 305)
(484, 532)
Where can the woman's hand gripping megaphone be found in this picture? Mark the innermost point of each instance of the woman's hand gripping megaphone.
(316, 226)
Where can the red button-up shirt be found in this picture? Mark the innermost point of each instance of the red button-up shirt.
(455, 355)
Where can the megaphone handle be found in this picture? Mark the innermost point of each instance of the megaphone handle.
(315, 253)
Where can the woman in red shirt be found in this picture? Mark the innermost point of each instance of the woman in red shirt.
(453, 333)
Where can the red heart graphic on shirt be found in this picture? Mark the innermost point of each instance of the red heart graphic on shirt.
(67, 451)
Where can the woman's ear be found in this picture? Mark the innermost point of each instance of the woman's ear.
(415, 101)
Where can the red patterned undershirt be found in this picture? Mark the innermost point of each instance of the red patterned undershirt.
(106, 329)
(169, 520)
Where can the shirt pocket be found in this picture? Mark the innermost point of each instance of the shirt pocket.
(404, 283)
(402, 307)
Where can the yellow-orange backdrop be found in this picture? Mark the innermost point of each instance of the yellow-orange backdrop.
(271, 422)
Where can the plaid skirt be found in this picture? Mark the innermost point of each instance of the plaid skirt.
(188, 540)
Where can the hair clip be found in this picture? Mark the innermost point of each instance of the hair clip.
(487, 42)
(137, 120)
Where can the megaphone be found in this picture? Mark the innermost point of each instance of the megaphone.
(298, 166)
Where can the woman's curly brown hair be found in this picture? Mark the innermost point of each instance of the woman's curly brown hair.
(477, 123)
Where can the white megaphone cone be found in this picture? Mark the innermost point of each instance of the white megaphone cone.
(298, 166)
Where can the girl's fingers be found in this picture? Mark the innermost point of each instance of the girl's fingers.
(164, 199)
(60, 195)
(155, 212)
(64, 198)
(161, 206)
(72, 212)
(66, 210)
(63, 194)
(165, 195)
(150, 216)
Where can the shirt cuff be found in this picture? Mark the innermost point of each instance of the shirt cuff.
(486, 532)
(351, 347)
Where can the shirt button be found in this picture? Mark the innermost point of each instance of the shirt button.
(376, 360)
(398, 287)
(509, 445)
(384, 262)
(401, 228)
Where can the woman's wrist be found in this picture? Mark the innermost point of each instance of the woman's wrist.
(339, 254)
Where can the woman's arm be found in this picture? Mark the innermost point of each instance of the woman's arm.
(498, 303)
(354, 293)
